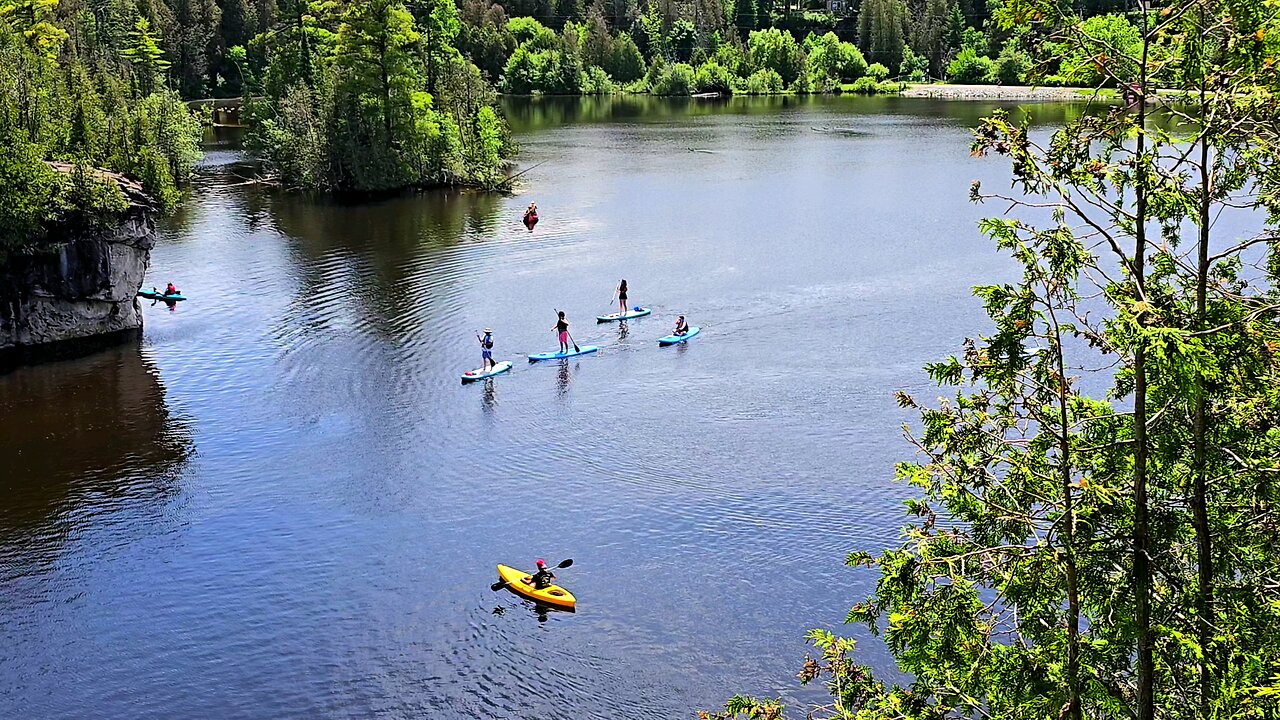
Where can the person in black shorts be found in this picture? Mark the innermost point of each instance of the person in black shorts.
(622, 297)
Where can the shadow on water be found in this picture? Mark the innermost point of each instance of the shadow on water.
(82, 438)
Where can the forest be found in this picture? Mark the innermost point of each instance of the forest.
(347, 96)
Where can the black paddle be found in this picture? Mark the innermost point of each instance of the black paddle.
(575, 345)
(503, 583)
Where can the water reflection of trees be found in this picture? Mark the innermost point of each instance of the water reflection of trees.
(529, 114)
(81, 438)
(387, 251)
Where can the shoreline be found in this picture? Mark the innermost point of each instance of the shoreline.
(1006, 92)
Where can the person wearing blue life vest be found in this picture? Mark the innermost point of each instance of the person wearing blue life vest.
(486, 350)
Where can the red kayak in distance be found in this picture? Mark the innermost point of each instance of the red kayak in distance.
(530, 220)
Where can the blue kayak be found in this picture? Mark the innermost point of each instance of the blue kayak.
(583, 350)
(673, 339)
(160, 296)
(479, 374)
(628, 315)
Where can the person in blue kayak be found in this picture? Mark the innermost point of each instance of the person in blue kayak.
(543, 578)
(486, 350)
(622, 297)
(562, 331)
(682, 327)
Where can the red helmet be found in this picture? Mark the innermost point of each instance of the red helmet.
(541, 562)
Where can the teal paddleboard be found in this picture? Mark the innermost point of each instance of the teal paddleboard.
(479, 374)
(673, 339)
(583, 350)
(628, 315)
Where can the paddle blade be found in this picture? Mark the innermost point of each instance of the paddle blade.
(498, 585)
(565, 564)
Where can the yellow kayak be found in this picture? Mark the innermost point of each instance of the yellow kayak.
(554, 595)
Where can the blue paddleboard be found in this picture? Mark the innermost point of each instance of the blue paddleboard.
(583, 350)
(673, 339)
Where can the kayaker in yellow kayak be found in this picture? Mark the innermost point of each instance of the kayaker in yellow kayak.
(541, 579)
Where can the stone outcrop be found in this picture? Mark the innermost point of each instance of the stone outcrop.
(85, 287)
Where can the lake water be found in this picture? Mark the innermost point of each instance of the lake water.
(283, 504)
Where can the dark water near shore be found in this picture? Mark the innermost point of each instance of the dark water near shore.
(283, 504)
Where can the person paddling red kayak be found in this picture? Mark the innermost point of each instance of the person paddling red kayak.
(531, 216)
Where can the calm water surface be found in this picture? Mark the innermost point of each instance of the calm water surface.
(282, 503)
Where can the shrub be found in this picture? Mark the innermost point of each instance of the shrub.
(830, 59)
(763, 82)
(865, 86)
(625, 62)
(970, 67)
(877, 72)
(1011, 65)
(913, 67)
(676, 80)
(713, 77)
(595, 81)
(531, 33)
(778, 51)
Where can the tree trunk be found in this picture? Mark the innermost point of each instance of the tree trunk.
(1141, 529)
(1199, 499)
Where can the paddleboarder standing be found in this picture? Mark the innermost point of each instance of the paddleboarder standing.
(622, 297)
(486, 350)
(562, 331)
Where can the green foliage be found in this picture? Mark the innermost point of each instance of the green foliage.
(43, 206)
(969, 67)
(914, 67)
(830, 60)
(89, 118)
(865, 86)
(595, 81)
(763, 82)
(626, 64)
(713, 77)
(776, 50)
(1106, 53)
(1068, 555)
(531, 34)
(391, 103)
(146, 57)
(682, 39)
(675, 80)
(1011, 65)
(883, 27)
(877, 72)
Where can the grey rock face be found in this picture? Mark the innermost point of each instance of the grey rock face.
(87, 287)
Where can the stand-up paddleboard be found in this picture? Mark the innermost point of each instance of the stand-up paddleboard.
(583, 350)
(673, 339)
(480, 374)
(628, 315)
(160, 296)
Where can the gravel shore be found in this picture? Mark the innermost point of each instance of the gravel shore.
(995, 92)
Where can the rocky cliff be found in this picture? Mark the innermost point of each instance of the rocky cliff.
(85, 287)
